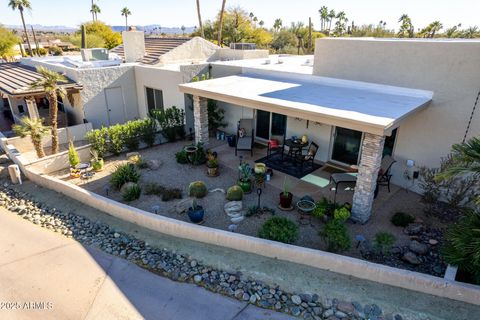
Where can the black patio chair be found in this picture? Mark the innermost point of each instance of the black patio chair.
(276, 145)
(306, 156)
(245, 136)
(384, 175)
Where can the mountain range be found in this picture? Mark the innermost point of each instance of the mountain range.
(149, 29)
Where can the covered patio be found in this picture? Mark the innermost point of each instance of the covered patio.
(371, 108)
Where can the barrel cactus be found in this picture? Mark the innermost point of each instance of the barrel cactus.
(197, 189)
(235, 193)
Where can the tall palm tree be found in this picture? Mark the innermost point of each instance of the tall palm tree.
(49, 82)
(200, 24)
(323, 17)
(406, 27)
(277, 24)
(435, 26)
(95, 10)
(21, 5)
(220, 23)
(36, 130)
(331, 16)
(126, 12)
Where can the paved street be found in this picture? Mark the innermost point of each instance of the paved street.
(75, 282)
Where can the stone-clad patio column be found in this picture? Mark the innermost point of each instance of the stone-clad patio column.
(200, 115)
(371, 158)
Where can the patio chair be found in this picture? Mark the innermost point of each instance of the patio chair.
(384, 175)
(307, 156)
(275, 145)
(245, 136)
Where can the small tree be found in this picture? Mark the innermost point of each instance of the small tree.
(36, 130)
(73, 157)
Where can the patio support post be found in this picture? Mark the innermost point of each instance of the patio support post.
(200, 115)
(32, 108)
(371, 158)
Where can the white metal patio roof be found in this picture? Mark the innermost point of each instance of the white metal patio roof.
(362, 106)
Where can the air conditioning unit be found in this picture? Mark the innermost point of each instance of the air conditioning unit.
(95, 54)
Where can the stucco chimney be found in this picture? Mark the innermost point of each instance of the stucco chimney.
(133, 45)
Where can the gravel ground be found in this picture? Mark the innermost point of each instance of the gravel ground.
(174, 175)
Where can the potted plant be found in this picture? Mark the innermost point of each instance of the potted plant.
(196, 212)
(74, 160)
(96, 161)
(245, 180)
(212, 164)
(286, 196)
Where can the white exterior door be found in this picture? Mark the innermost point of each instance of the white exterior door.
(115, 105)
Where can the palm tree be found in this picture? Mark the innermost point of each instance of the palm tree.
(340, 24)
(126, 12)
(470, 33)
(261, 23)
(277, 24)
(435, 26)
(465, 160)
(323, 17)
(21, 5)
(95, 10)
(36, 130)
(200, 24)
(406, 27)
(49, 83)
(220, 23)
(183, 29)
(331, 16)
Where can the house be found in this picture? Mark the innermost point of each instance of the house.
(361, 99)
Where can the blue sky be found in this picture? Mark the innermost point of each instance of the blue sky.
(182, 12)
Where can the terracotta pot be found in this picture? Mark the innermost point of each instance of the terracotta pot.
(213, 171)
(286, 201)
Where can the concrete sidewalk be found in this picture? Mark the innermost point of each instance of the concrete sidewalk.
(75, 282)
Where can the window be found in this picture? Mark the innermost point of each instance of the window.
(154, 99)
(390, 143)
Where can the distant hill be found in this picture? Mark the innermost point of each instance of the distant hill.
(149, 29)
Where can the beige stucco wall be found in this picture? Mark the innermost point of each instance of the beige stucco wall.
(451, 69)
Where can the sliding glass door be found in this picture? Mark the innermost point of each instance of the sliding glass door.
(270, 124)
(346, 146)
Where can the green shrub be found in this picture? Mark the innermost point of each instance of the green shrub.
(462, 245)
(132, 131)
(170, 194)
(234, 193)
(171, 121)
(199, 157)
(384, 241)
(73, 157)
(153, 188)
(324, 207)
(132, 193)
(197, 189)
(98, 139)
(116, 137)
(335, 234)
(148, 130)
(279, 229)
(182, 157)
(401, 219)
(342, 214)
(123, 174)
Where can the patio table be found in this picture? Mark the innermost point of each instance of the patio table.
(295, 146)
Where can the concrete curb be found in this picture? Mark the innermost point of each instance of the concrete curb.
(323, 260)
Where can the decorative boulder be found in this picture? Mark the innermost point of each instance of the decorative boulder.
(154, 164)
(418, 247)
(233, 208)
(183, 205)
(235, 193)
(413, 229)
(411, 258)
(197, 189)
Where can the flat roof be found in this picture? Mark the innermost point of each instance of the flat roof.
(281, 63)
(15, 79)
(356, 105)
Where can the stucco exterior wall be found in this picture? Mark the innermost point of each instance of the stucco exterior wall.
(230, 54)
(95, 81)
(448, 68)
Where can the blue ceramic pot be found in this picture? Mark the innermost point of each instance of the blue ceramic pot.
(196, 215)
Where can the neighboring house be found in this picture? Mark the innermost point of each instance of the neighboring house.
(18, 99)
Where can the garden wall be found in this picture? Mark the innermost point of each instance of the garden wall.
(315, 258)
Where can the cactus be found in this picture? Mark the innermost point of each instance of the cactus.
(197, 189)
(234, 193)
